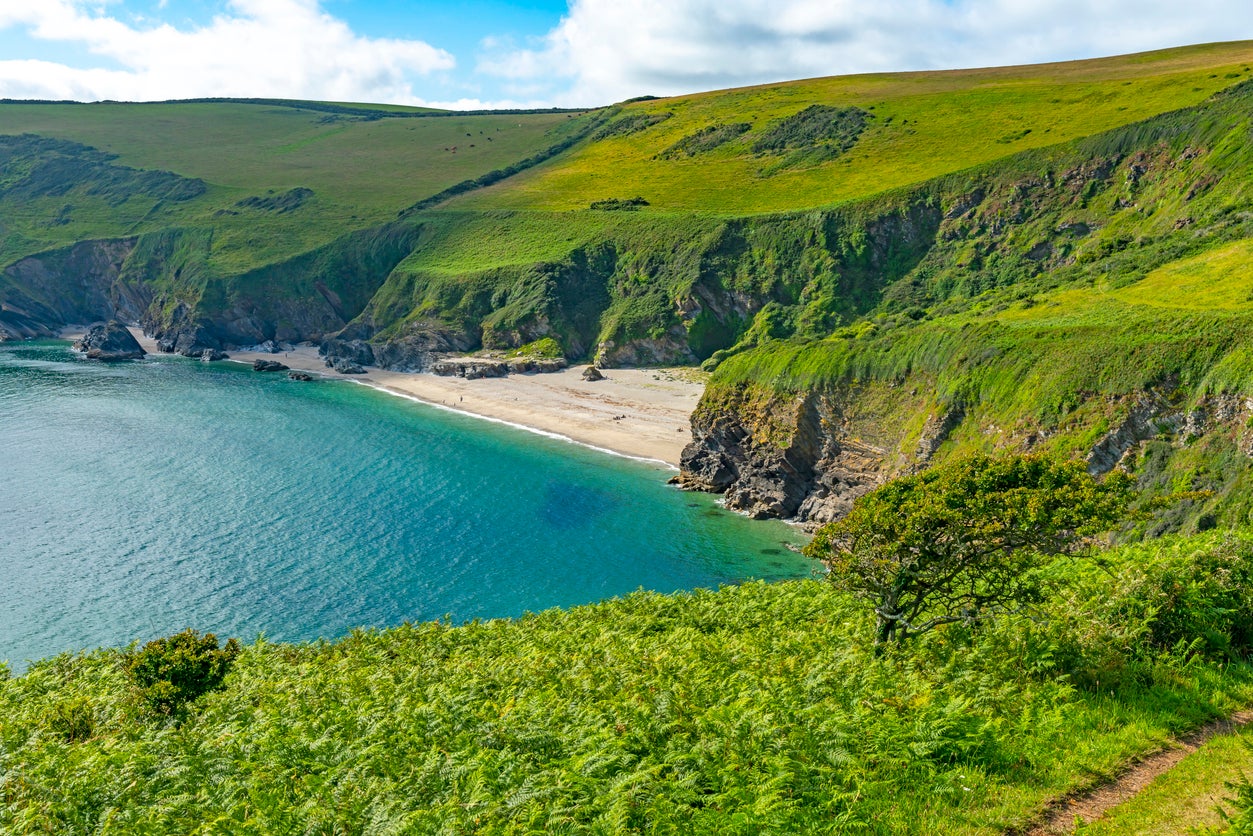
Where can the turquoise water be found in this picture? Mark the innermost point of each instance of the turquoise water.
(142, 498)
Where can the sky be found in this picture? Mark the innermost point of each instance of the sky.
(550, 53)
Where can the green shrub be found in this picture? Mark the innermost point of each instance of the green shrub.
(73, 720)
(171, 672)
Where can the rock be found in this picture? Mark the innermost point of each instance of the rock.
(592, 373)
(358, 352)
(208, 355)
(535, 365)
(302, 376)
(348, 367)
(269, 347)
(268, 366)
(547, 365)
(471, 368)
(110, 342)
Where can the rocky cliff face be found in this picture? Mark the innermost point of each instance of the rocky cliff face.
(73, 285)
(807, 457)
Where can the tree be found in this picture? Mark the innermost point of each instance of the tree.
(963, 540)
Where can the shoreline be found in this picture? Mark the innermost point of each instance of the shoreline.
(641, 414)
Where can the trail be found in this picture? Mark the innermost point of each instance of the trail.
(1088, 806)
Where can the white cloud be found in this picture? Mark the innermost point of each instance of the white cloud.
(606, 50)
(261, 48)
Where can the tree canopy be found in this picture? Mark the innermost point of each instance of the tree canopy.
(963, 540)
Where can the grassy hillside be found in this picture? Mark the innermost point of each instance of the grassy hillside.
(729, 182)
(685, 275)
(1090, 298)
(362, 170)
(760, 708)
(918, 126)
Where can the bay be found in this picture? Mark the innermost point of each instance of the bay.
(142, 498)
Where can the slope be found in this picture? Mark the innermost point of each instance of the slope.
(213, 190)
(758, 708)
(683, 275)
(1091, 299)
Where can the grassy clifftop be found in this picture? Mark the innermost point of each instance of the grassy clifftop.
(730, 183)
(917, 126)
(360, 169)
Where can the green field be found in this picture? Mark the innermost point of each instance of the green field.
(924, 125)
(362, 171)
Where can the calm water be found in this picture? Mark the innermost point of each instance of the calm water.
(142, 498)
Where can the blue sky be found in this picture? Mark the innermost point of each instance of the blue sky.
(528, 53)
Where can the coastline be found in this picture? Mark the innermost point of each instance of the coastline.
(638, 413)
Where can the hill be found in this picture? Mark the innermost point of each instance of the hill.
(192, 204)
(880, 269)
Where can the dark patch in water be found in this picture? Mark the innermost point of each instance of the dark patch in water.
(568, 506)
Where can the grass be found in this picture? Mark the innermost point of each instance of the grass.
(1188, 796)
(925, 125)
(362, 171)
(759, 708)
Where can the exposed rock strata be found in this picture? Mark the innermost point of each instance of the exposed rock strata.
(808, 457)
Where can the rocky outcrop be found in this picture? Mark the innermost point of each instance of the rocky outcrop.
(592, 374)
(535, 365)
(354, 351)
(672, 349)
(81, 283)
(471, 368)
(346, 367)
(109, 341)
(793, 457)
(268, 366)
(807, 457)
(1148, 415)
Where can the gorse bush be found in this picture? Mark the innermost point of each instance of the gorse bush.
(173, 671)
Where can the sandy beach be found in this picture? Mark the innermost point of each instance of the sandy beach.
(641, 413)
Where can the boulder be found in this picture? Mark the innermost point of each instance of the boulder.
(268, 366)
(592, 373)
(354, 351)
(208, 355)
(348, 367)
(303, 376)
(110, 342)
(471, 368)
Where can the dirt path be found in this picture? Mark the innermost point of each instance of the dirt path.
(1089, 806)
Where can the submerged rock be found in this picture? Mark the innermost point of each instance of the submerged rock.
(303, 376)
(110, 342)
(268, 366)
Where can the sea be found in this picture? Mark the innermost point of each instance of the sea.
(142, 498)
